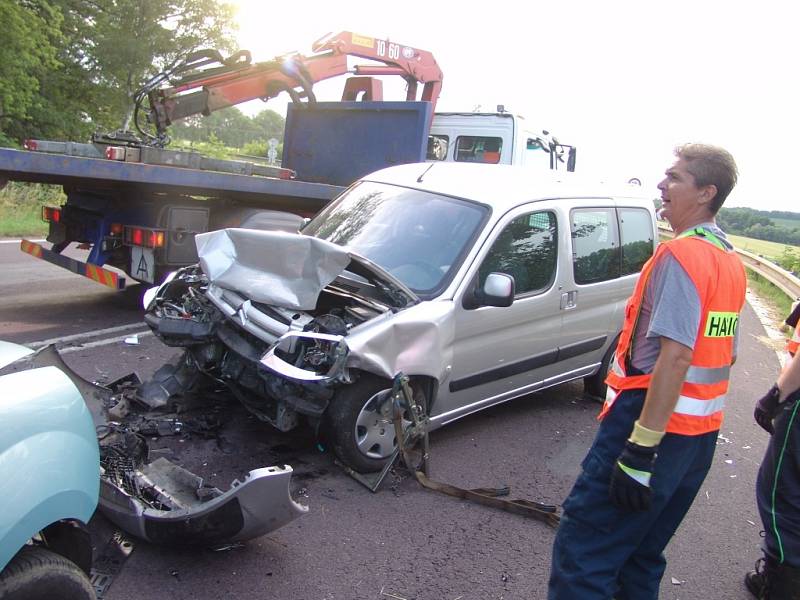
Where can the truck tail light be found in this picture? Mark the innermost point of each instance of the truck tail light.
(51, 214)
(287, 174)
(141, 236)
(115, 153)
(116, 229)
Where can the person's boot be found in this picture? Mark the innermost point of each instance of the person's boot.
(783, 582)
(756, 580)
(773, 581)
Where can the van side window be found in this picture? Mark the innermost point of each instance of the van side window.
(595, 249)
(473, 148)
(527, 250)
(437, 147)
(636, 237)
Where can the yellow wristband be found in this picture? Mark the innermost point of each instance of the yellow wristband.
(643, 436)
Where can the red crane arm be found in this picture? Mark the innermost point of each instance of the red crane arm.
(206, 91)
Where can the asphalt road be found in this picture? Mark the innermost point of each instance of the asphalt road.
(403, 542)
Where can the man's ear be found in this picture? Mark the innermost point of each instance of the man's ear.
(707, 194)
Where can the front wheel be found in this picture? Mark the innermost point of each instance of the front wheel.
(595, 385)
(359, 423)
(37, 573)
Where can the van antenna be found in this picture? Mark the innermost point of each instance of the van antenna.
(425, 172)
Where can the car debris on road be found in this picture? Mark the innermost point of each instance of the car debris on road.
(156, 499)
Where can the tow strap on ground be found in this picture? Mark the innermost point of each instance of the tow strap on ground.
(411, 431)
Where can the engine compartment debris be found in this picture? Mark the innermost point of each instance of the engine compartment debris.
(150, 457)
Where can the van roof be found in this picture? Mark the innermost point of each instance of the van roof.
(500, 186)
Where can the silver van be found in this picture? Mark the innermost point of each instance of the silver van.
(482, 283)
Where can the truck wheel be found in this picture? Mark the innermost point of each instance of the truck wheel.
(359, 423)
(595, 385)
(37, 573)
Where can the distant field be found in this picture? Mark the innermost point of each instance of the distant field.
(771, 250)
(788, 223)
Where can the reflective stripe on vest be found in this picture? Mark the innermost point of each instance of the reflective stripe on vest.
(699, 408)
(707, 375)
(702, 396)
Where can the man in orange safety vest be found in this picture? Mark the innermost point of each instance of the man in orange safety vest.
(667, 386)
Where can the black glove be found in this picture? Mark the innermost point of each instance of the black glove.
(630, 479)
(766, 408)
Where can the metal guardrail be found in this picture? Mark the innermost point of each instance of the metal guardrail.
(780, 278)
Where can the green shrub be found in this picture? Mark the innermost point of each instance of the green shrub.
(21, 208)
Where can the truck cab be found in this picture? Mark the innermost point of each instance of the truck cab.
(496, 138)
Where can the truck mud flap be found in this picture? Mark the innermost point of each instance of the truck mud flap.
(98, 274)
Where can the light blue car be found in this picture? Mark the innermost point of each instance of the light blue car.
(50, 469)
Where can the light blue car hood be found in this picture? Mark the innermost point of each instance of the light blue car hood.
(10, 352)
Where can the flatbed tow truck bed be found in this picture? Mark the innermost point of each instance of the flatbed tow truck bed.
(103, 174)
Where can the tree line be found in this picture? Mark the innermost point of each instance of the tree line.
(758, 224)
(69, 68)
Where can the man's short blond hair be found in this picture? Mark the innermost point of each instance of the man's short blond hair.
(710, 165)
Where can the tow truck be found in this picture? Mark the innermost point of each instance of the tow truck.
(137, 205)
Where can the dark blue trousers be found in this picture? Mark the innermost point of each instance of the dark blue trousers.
(602, 552)
(778, 489)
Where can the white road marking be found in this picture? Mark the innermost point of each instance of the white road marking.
(89, 334)
(768, 320)
(105, 342)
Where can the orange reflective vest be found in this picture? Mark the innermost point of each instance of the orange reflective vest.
(794, 342)
(719, 277)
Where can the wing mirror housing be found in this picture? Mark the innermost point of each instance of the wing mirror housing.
(497, 290)
(571, 158)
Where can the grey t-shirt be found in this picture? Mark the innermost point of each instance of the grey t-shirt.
(670, 308)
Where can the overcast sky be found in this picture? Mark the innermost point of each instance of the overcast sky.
(623, 81)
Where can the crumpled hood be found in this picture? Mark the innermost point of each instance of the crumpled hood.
(281, 268)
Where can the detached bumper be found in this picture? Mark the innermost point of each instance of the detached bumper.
(251, 508)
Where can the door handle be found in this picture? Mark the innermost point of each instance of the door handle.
(569, 300)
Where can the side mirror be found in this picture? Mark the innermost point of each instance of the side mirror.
(498, 290)
(571, 159)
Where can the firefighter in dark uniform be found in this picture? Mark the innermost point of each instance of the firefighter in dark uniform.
(777, 574)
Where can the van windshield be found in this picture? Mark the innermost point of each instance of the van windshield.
(418, 237)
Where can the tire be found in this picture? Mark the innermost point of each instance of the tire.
(361, 436)
(595, 386)
(37, 573)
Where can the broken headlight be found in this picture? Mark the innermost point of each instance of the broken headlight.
(307, 356)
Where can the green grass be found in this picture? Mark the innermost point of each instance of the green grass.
(21, 208)
(771, 250)
(770, 294)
